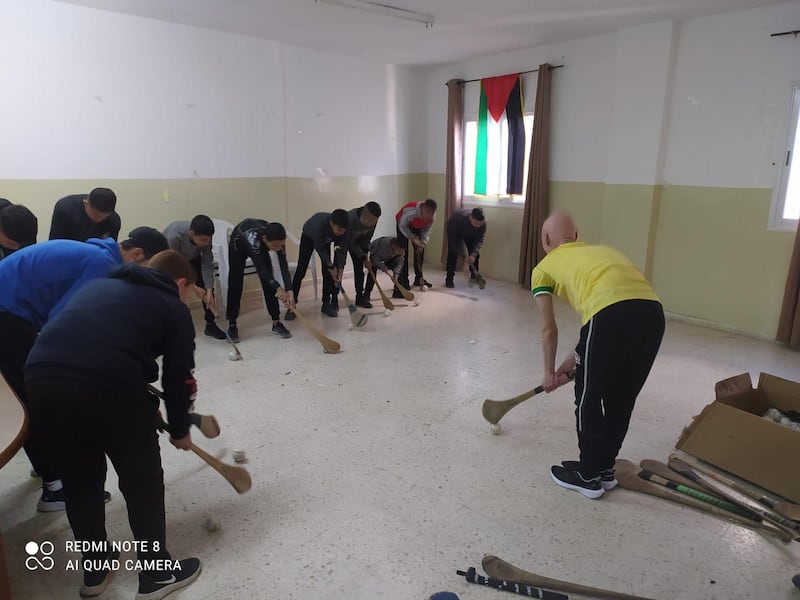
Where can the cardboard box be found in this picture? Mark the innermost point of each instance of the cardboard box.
(731, 434)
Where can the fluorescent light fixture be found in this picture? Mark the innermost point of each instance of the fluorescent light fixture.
(386, 10)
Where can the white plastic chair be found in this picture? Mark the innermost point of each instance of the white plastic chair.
(219, 247)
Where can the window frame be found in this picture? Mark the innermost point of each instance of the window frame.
(472, 200)
(777, 222)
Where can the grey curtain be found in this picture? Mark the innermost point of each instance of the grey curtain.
(455, 148)
(537, 202)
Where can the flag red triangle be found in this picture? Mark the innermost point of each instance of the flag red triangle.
(497, 90)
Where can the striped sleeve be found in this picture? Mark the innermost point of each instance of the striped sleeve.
(541, 282)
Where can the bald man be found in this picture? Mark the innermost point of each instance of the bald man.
(623, 323)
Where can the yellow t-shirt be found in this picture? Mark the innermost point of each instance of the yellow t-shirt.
(589, 278)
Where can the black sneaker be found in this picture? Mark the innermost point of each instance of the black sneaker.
(280, 330)
(96, 582)
(607, 479)
(289, 316)
(426, 284)
(233, 333)
(397, 294)
(481, 281)
(573, 480)
(329, 309)
(796, 580)
(154, 585)
(55, 501)
(363, 302)
(51, 501)
(212, 330)
(448, 283)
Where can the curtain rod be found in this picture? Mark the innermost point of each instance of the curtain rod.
(518, 72)
(794, 33)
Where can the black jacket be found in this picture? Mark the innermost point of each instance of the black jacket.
(70, 222)
(110, 334)
(318, 228)
(246, 239)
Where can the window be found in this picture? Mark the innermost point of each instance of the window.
(496, 162)
(786, 197)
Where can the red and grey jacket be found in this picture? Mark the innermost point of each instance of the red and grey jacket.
(411, 224)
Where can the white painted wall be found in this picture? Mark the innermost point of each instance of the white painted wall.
(730, 98)
(639, 99)
(95, 94)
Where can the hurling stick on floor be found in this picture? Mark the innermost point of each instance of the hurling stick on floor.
(406, 294)
(357, 318)
(790, 527)
(387, 304)
(494, 410)
(207, 424)
(329, 346)
(782, 507)
(689, 490)
(660, 468)
(238, 477)
(628, 479)
(497, 568)
(514, 587)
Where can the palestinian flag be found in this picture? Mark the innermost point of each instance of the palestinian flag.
(501, 100)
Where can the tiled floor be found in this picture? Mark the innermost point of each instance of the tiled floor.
(375, 475)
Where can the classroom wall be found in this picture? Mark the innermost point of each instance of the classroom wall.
(666, 143)
(180, 120)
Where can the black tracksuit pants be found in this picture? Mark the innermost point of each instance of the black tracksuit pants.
(419, 258)
(616, 350)
(456, 248)
(358, 273)
(390, 264)
(330, 290)
(198, 273)
(18, 336)
(83, 425)
(236, 262)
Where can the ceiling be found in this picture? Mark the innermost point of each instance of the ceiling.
(463, 29)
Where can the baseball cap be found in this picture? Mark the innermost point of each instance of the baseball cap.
(150, 240)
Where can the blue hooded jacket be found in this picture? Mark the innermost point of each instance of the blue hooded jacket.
(36, 282)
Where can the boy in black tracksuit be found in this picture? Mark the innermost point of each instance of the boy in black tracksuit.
(319, 232)
(254, 238)
(82, 216)
(362, 226)
(386, 254)
(466, 230)
(90, 398)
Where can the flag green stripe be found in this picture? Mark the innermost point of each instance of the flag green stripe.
(481, 147)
